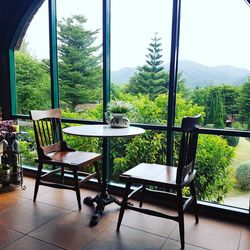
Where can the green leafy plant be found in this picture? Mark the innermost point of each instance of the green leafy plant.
(119, 107)
(243, 175)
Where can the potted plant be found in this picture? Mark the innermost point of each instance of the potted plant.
(116, 114)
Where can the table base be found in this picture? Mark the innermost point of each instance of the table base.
(101, 200)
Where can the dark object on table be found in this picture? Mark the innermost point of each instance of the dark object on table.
(169, 177)
(53, 150)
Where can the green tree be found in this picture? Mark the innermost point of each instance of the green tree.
(244, 102)
(32, 83)
(219, 101)
(215, 109)
(150, 78)
(230, 95)
(80, 73)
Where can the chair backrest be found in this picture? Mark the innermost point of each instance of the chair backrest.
(48, 131)
(188, 147)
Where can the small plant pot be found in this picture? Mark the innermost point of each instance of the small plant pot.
(119, 120)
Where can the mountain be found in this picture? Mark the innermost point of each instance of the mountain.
(195, 74)
(122, 75)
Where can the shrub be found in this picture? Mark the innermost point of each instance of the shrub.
(214, 173)
(232, 141)
(243, 175)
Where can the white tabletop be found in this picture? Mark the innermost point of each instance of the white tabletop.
(103, 131)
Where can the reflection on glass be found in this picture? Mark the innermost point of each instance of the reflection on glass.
(140, 52)
(32, 66)
(214, 61)
(79, 37)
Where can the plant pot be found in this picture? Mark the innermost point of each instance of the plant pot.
(119, 120)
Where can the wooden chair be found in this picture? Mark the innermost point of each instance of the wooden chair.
(168, 177)
(53, 150)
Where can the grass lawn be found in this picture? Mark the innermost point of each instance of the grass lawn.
(242, 154)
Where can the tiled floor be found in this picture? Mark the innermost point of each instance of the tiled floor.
(54, 222)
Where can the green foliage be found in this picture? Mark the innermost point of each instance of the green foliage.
(89, 114)
(119, 107)
(232, 140)
(150, 148)
(186, 108)
(243, 175)
(28, 152)
(244, 102)
(33, 83)
(151, 78)
(215, 110)
(79, 66)
(218, 101)
(214, 174)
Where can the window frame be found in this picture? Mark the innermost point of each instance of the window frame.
(173, 71)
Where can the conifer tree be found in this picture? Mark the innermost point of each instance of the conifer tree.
(244, 102)
(215, 110)
(80, 73)
(150, 78)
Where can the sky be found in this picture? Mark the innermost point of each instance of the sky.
(213, 32)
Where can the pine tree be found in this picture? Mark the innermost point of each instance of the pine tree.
(80, 73)
(150, 78)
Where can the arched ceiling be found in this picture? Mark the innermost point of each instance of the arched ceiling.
(14, 16)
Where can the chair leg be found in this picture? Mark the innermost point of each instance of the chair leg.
(142, 195)
(123, 205)
(62, 174)
(181, 217)
(77, 188)
(38, 177)
(97, 172)
(193, 193)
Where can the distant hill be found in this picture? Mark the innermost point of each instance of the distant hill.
(195, 74)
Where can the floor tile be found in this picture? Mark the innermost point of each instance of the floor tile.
(54, 222)
(210, 234)
(176, 245)
(59, 197)
(28, 215)
(155, 225)
(127, 238)
(8, 200)
(245, 238)
(29, 184)
(7, 236)
(69, 231)
(29, 243)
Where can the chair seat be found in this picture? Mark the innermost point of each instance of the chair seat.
(154, 174)
(72, 158)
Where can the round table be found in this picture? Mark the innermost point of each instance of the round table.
(106, 132)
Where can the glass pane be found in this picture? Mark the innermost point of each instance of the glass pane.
(27, 144)
(32, 65)
(79, 37)
(126, 153)
(214, 62)
(140, 52)
(240, 194)
(223, 167)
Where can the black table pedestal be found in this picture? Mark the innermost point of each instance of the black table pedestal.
(101, 201)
